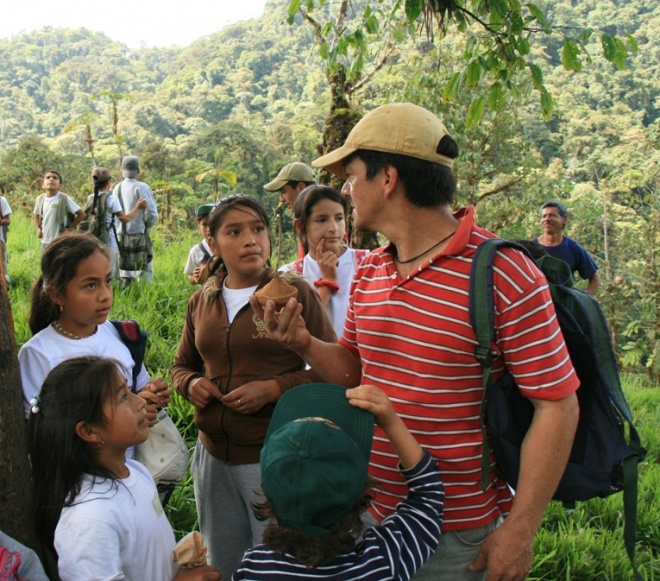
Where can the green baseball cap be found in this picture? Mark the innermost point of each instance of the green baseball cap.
(315, 459)
(204, 210)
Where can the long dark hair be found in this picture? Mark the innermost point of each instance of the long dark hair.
(59, 264)
(307, 199)
(216, 265)
(74, 391)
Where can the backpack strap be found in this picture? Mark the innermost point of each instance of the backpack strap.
(135, 340)
(207, 255)
(481, 309)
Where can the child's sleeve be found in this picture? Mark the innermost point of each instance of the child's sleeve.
(409, 536)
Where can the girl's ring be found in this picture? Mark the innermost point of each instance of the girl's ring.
(239, 401)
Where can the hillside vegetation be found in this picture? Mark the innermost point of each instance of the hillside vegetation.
(223, 114)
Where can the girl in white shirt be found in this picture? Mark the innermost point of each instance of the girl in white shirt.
(95, 512)
(71, 301)
(329, 264)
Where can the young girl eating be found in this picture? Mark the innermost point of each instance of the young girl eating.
(328, 265)
(95, 511)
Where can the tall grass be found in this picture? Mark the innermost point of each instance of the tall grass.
(584, 544)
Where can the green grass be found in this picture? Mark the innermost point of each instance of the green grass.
(584, 544)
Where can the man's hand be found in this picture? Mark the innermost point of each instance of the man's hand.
(286, 325)
(507, 553)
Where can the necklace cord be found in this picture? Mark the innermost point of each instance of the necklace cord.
(62, 331)
(396, 259)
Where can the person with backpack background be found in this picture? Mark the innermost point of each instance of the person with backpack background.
(5, 220)
(135, 249)
(408, 332)
(55, 211)
(100, 211)
(554, 217)
(201, 253)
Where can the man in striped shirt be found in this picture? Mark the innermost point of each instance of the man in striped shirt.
(408, 332)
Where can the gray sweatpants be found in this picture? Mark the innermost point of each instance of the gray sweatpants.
(223, 493)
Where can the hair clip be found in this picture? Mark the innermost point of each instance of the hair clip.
(34, 403)
(227, 199)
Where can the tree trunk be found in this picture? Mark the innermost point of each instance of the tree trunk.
(15, 480)
(341, 119)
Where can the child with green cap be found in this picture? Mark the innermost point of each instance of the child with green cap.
(314, 480)
(201, 253)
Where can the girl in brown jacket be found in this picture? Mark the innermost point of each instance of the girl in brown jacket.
(233, 374)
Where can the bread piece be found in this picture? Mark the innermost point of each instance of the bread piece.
(277, 290)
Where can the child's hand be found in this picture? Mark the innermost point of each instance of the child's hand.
(374, 400)
(161, 389)
(327, 261)
(142, 203)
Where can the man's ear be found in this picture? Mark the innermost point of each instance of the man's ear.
(88, 433)
(390, 179)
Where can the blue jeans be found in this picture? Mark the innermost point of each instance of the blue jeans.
(456, 550)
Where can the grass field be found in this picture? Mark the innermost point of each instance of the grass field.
(581, 544)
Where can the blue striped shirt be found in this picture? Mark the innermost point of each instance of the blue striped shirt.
(395, 549)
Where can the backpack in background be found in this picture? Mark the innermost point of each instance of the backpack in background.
(607, 448)
(95, 211)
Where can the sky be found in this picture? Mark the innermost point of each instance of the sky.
(137, 23)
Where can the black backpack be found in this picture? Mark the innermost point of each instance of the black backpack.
(135, 340)
(94, 222)
(607, 448)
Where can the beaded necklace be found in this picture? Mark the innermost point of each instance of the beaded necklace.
(62, 331)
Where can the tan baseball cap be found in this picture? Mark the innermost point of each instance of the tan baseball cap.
(401, 128)
(293, 172)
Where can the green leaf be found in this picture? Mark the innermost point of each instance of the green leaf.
(609, 47)
(413, 9)
(496, 97)
(450, 88)
(523, 46)
(632, 43)
(473, 75)
(570, 56)
(538, 15)
(537, 76)
(371, 24)
(475, 112)
(323, 51)
(547, 104)
(293, 7)
(621, 54)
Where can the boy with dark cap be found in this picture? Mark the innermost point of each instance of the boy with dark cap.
(314, 478)
(201, 253)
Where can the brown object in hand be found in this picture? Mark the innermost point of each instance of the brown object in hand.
(277, 290)
(190, 551)
(149, 396)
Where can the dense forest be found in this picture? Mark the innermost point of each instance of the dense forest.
(223, 114)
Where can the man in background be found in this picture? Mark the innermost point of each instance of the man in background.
(129, 191)
(292, 179)
(554, 216)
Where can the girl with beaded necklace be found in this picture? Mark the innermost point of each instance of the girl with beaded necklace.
(96, 513)
(71, 301)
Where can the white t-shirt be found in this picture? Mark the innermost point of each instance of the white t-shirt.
(38, 356)
(116, 530)
(196, 257)
(5, 210)
(112, 207)
(338, 303)
(50, 226)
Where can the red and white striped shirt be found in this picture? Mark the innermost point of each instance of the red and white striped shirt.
(415, 341)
